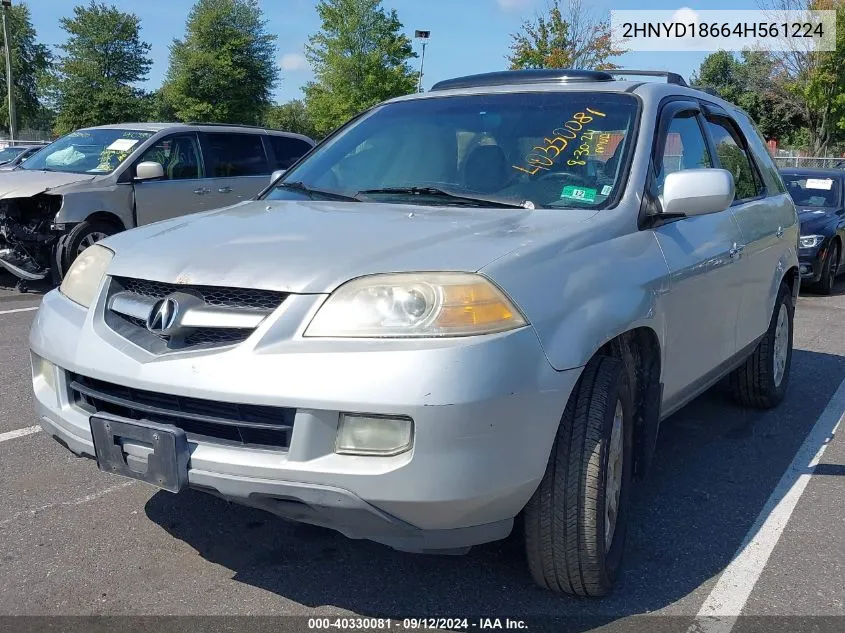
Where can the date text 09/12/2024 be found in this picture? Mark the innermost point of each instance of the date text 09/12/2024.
(412, 624)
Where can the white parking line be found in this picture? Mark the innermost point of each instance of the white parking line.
(16, 310)
(76, 502)
(10, 435)
(720, 610)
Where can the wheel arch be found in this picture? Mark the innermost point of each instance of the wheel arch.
(640, 350)
(107, 216)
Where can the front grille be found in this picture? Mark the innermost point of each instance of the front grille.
(213, 295)
(209, 420)
(135, 328)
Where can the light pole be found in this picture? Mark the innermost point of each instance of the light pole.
(420, 35)
(6, 5)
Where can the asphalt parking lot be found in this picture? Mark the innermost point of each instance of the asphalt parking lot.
(729, 484)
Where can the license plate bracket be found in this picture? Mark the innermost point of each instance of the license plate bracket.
(166, 448)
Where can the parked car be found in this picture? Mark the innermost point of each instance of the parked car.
(14, 155)
(99, 181)
(465, 308)
(818, 195)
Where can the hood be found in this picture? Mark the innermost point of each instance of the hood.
(312, 247)
(23, 183)
(814, 220)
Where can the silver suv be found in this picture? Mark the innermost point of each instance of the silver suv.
(98, 181)
(465, 308)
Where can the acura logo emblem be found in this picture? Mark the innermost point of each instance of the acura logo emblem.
(164, 317)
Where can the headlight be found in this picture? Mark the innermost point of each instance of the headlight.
(811, 241)
(415, 305)
(85, 275)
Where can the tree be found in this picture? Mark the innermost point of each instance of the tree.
(813, 82)
(360, 57)
(292, 117)
(104, 58)
(30, 61)
(224, 70)
(748, 81)
(565, 37)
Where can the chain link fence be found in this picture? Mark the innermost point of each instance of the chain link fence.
(812, 162)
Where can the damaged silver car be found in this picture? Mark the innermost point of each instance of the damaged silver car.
(99, 181)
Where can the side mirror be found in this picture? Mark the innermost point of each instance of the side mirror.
(276, 175)
(149, 170)
(697, 191)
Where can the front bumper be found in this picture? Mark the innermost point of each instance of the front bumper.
(485, 413)
(811, 262)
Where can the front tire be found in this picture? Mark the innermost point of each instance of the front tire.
(829, 270)
(576, 521)
(762, 379)
(82, 236)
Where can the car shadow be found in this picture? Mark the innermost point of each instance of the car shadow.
(715, 466)
(838, 289)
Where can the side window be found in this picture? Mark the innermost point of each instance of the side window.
(734, 158)
(179, 155)
(287, 150)
(685, 148)
(761, 154)
(237, 155)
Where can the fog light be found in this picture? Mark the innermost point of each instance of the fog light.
(373, 435)
(43, 369)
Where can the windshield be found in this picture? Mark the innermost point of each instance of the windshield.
(10, 153)
(97, 151)
(809, 191)
(553, 149)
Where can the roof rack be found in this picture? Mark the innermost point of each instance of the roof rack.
(672, 78)
(251, 127)
(517, 77)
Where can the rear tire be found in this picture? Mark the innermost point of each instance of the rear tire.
(829, 270)
(574, 539)
(762, 380)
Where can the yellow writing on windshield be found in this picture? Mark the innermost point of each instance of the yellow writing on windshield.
(544, 156)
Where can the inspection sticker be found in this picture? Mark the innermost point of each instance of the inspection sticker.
(819, 183)
(578, 193)
(123, 144)
(605, 191)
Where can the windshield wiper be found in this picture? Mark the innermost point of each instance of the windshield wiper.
(298, 185)
(435, 192)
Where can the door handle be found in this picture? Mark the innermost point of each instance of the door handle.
(780, 231)
(225, 190)
(736, 250)
(202, 191)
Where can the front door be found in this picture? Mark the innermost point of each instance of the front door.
(183, 189)
(702, 303)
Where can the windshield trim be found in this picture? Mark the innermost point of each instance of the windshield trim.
(141, 143)
(625, 164)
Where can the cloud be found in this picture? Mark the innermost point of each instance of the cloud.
(514, 5)
(294, 62)
(685, 15)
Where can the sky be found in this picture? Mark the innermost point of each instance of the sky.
(467, 36)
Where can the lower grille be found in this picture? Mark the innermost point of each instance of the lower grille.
(210, 420)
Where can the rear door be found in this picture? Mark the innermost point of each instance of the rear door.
(238, 165)
(182, 190)
(702, 304)
(765, 218)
